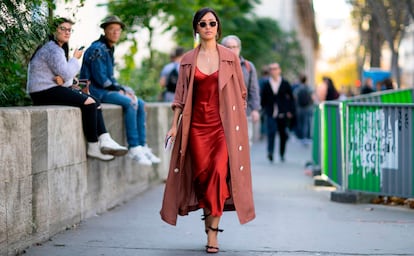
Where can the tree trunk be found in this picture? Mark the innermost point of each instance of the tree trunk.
(375, 42)
(395, 69)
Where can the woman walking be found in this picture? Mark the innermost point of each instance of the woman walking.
(210, 159)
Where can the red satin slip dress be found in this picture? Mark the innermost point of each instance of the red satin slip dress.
(208, 146)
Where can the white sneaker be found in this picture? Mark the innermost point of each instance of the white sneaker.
(153, 158)
(109, 146)
(137, 153)
(95, 152)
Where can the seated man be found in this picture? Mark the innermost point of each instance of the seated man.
(98, 67)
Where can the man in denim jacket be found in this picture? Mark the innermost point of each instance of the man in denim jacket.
(98, 67)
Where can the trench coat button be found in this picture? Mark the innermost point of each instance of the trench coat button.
(176, 170)
(234, 107)
(237, 127)
(241, 168)
(240, 148)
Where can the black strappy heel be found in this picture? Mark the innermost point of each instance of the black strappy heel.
(216, 229)
(209, 248)
(204, 218)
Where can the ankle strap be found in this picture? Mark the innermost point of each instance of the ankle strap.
(216, 229)
(204, 216)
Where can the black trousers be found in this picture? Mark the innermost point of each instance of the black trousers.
(275, 125)
(92, 119)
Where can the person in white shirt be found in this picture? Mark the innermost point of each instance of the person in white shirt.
(279, 105)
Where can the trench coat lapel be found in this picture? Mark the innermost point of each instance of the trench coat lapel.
(225, 67)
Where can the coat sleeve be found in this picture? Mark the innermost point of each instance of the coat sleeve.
(182, 87)
(239, 74)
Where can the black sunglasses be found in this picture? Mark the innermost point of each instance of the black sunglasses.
(203, 24)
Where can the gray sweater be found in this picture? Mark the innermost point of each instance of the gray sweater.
(50, 61)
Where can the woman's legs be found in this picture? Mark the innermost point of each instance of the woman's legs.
(67, 97)
(92, 120)
(212, 228)
(101, 128)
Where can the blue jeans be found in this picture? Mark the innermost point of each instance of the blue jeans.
(134, 115)
(303, 126)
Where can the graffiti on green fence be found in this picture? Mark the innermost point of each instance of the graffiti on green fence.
(373, 145)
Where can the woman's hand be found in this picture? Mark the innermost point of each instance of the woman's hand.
(172, 132)
(77, 53)
(170, 138)
(59, 80)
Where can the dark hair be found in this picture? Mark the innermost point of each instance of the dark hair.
(332, 93)
(200, 14)
(265, 70)
(388, 84)
(57, 21)
(179, 51)
(51, 37)
(303, 78)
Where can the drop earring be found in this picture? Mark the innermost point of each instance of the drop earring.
(196, 40)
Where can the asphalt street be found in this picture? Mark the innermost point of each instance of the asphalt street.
(294, 218)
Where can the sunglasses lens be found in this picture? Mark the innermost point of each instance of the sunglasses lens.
(203, 24)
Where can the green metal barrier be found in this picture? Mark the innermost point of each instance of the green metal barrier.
(330, 135)
(389, 96)
(331, 149)
(380, 150)
(316, 128)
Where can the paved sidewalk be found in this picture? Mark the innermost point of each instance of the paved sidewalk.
(294, 218)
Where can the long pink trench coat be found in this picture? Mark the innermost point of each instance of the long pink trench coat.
(179, 194)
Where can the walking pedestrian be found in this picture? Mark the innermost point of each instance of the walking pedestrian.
(279, 105)
(210, 159)
(304, 110)
(50, 82)
(264, 76)
(98, 68)
(250, 80)
(169, 75)
(368, 86)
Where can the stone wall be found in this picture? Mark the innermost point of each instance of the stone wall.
(47, 183)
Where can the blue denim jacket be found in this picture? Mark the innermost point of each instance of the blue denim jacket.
(98, 67)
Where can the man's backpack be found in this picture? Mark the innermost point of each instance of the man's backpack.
(304, 96)
(172, 79)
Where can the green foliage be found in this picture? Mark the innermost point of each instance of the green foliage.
(270, 44)
(263, 40)
(22, 28)
(229, 11)
(145, 80)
